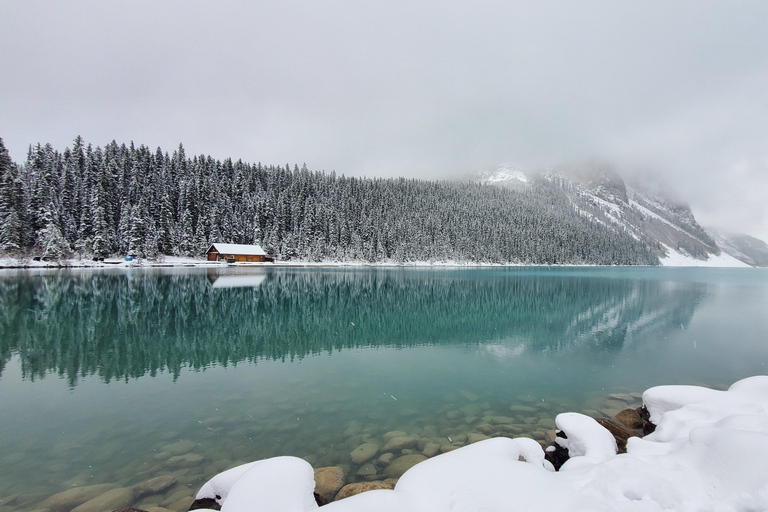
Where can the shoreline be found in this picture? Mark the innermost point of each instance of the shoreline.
(178, 262)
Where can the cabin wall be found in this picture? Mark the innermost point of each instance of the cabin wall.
(214, 256)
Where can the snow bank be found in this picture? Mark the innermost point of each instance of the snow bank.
(707, 453)
(677, 259)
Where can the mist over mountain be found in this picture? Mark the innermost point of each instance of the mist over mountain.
(648, 212)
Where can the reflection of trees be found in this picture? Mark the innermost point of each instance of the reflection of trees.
(123, 326)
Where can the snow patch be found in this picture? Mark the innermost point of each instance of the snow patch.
(504, 174)
(677, 259)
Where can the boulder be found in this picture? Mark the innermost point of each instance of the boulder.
(364, 452)
(328, 481)
(352, 489)
(110, 500)
(630, 418)
(402, 464)
(154, 486)
(395, 444)
(619, 431)
(69, 499)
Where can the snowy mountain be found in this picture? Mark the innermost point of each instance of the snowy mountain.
(665, 224)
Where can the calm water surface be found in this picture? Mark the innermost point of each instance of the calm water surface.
(104, 372)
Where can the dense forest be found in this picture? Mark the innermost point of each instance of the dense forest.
(88, 202)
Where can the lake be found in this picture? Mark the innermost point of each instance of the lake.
(120, 375)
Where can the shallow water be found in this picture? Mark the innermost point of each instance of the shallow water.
(106, 371)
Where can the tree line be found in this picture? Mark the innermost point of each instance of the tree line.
(122, 199)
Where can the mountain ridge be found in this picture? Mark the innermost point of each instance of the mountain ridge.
(668, 225)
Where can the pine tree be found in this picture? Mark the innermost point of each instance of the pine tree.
(11, 204)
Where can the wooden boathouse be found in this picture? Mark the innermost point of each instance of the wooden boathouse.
(233, 253)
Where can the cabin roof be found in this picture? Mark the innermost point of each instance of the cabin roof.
(247, 250)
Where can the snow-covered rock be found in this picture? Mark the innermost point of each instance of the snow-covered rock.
(707, 453)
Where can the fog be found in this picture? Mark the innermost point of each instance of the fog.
(670, 92)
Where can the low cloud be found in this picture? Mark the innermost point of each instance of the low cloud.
(670, 90)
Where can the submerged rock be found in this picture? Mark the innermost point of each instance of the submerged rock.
(353, 429)
(402, 464)
(395, 444)
(366, 470)
(185, 461)
(364, 452)
(475, 437)
(110, 500)
(432, 449)
(154, 485)
(179, 447)
(385, 459)
(67, 500)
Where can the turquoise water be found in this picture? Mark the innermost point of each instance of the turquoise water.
(103, 370)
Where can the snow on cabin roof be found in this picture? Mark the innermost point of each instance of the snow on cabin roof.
(247, 250)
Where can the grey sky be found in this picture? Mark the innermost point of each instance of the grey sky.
(671, 89)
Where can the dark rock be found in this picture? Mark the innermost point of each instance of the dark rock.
(205, 503)
(320, 500)
(648, 427)
(130, 510)
(630, 418)
(557, 457)
(619, 431)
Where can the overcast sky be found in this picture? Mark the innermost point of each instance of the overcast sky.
(674, 90)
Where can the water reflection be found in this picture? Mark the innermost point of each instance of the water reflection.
(124, 325)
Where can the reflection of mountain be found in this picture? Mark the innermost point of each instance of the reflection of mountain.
(123, 326)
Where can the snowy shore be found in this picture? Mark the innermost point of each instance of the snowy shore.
(707, 453)
(674, 259)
